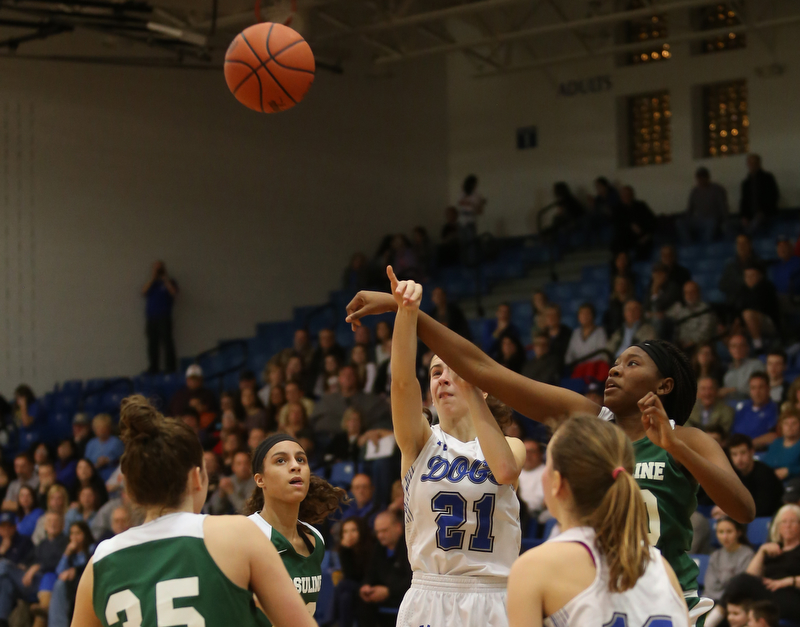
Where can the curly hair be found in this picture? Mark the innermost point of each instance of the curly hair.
(322, 501)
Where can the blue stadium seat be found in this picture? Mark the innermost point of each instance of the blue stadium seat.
(758, 531)
(59, 427)
(548, 528)
(529, 543)
(65, 403)
(93, 405)
(73, 387)
(702, 564)
(110, 402)
(342, 474)
(576, 385)
(596, 274)
(531, 529)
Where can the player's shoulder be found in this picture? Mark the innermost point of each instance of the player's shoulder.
(552, 558)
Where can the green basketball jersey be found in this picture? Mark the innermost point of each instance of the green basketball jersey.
(161, 573)
(306, 572)
(671, 499)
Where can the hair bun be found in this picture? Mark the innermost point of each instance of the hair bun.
(138, 419)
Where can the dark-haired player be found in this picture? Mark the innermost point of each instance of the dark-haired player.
(650, 389)
(180, 568)
(287, 497)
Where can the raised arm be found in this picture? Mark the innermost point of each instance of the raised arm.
(532, 399)
(411, 429)
(702, 457)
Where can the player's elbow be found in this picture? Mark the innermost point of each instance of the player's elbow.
(506, 474)
(745, 510)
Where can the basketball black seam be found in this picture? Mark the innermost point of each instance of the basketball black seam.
(246, 78)
(281, 51)
(263, 65)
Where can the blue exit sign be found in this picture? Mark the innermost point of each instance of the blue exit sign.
(526, 137)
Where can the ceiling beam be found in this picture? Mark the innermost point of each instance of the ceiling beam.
(546, 29)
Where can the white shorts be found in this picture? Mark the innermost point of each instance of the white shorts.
(447, 601)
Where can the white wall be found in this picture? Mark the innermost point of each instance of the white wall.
(578, 136)
(108, 168)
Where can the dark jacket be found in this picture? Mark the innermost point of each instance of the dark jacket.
(19, 551)
(560, 343)
(454, 319)
(763, 297)
(614, 317)
(393, 571)
(733, 276)
(354, 563)
(546, 369)
(766, 488)
(759, 195)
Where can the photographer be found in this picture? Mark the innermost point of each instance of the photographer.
(160, 293)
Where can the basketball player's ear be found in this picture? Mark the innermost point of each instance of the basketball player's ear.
(196, 479)
(259, 479)
(556, 483)
(666, 386)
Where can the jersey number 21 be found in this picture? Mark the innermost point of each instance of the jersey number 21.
(451, 508)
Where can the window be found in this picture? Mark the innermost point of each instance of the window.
(721, 16)
(726, 120)
(646, 30)
(649, 129)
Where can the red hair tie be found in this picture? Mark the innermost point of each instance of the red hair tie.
(616, 471)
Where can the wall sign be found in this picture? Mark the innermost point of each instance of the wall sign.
(585, 86)
(526, 137)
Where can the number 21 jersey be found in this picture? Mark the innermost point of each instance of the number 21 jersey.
(459, 521)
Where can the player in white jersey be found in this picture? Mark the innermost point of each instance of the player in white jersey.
(462, 512)
(600, 570)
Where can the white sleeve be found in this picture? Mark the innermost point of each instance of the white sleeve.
(607, 415)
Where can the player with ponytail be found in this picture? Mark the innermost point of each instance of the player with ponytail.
(649, 394)
(600, 567)
(287, 499)
(161, 572)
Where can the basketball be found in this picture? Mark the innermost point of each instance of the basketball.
(269, 67)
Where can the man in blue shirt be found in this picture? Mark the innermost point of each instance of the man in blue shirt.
(758, 417)
(160, 293)
(104, 450)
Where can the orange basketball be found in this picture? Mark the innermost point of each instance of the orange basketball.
(269, 67)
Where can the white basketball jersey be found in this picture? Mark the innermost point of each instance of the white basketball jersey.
(458, 520)
(652, 602)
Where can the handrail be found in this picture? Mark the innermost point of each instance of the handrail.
(224, 345)
(108, 385)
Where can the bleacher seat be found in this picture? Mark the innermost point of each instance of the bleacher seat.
(110, 402)
(548, 528)
(531, 528)
(59, 427)
(93, 405)
(576, 385)
(758, 531)
(65, 403)
(342, 474)
(73, 387)
(702, 564)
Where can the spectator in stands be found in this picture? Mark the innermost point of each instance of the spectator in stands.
(295, 422)
(422, 248)
(530, 489)
(301, 347)
(756, 476)
(14, 547)
(777, 563)
(28, 511)
(694, 321)
(540, 302)
(193, 389)
(65, 464)
(512, 353)
(356, 274)
(87, 507)
(120, 522)
(776, 368)
(709, 411)
(403, 259)
(785, 273)
(88, 476)
(326, 345)
(759, 201)
(40, 567)
(46, 472)
(707, 211)
(728, 561)
(635, 226)
(559, 334)
(662, 293)
(676, 273)
(621, 266)
(757, 417)
(104, 450)
(255, 414)
(757, 303)
(448, 252)
(502, 327)
(587, 345)
(545, 366)
(366, 370)
(470, 206)
(103, 524)
(763, 614)
(160, 292)
(614, 316)
(345, 444)
(449, 314)
(355, 554)
(732, 279)
(30, 416)
(274, 374)
(81, 433)
(23, 468)
(783, 455)
(736, 382)
(389, 574)
(569, 212)
(706, 363)
(234, 490)
(363, 505)
(58, 502)
(294, 394)
(383, 346)
(295, 371)
(327, 416)
(70, 567)
(633, 330)
(328, 378)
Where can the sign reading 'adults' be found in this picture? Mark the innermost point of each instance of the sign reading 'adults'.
(586, 86)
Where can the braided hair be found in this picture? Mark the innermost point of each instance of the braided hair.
(680, 401)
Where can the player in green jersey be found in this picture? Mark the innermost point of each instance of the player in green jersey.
(287, 498)
(180, 568)
(650, 388)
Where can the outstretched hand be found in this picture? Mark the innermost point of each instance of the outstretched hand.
(368, 304)
(656, 422)
(407, 294)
